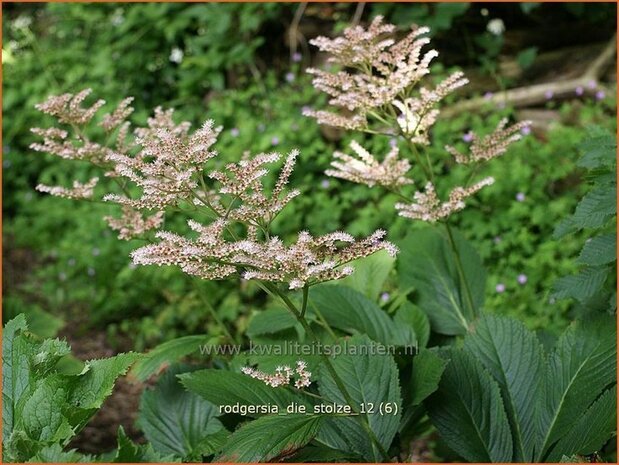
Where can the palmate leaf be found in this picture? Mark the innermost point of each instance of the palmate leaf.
(469, 413)
(174, 420)
(369, 378)
(426, 263)
(514, 357)
(270, 438)
(349, 310)
(591, 430)
(581, 366)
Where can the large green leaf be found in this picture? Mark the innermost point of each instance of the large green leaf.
(349, 310)
(581, 286)
(129, 452)
(514, 357)
(597, 207)
(598, 150)
(599, 250)
(469, 413)
(270, 438)
(409, 315)
(370, 379)
(582, 364)
(173, 420)
(271, 321)
(428, 368)
(222, 387)
(427, 263)
(370, 274)
(166, 353)
(591, 431)
(41, 405)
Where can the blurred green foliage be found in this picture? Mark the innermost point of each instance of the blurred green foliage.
(230, 62)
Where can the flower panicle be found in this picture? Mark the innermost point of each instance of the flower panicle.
(282, 376)
(79, 191)
(391, 172)
(428, 207)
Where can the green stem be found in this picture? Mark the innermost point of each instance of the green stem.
(338, 381)
(213, 313)
(460, 268)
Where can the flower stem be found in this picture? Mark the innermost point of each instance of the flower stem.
(338, 380)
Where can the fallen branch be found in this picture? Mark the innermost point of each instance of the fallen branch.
(538, 93)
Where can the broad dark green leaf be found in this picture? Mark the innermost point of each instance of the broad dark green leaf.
(227, 388)
(173, 420)
(582, 365)
(129, 452)
(597, 207)
(428, 368)
(599, 250)
(348, 310)
(412, 316)
(427, 263)
(591, 431)
(270, 321)
(581, 286)
(469, 413)
(270, 438)
(369, 378)
(166, 353)
(598, 150)
(514, 357)
(370, 274)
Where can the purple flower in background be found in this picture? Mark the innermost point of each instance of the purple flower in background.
(525, 131)
(289, 77)
(384, 297)
(549, 94)
(600, 94)
(522, 279)
(500, 288)
(501, 105)
(234, 132)
(274, 140)
(393, 142)
(497, 239)
(488, 95)
(592, 84)
(468, 137)
(71, 262)
(520, 197)
(91, 271)
(297, 57)
(96, 252)
(579, 90)
(325, 183)
(305, 109)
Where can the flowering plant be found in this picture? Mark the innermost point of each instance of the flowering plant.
(488, 398)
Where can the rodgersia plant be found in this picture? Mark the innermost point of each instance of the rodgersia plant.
(493, 402)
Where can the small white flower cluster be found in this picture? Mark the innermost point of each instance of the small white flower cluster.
(133, 223)
(492, 145)
(428, 207)
(79, 191)
(282, 376)
(382, 73)
(367, 170)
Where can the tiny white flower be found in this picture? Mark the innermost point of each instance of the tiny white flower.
(496, 27)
